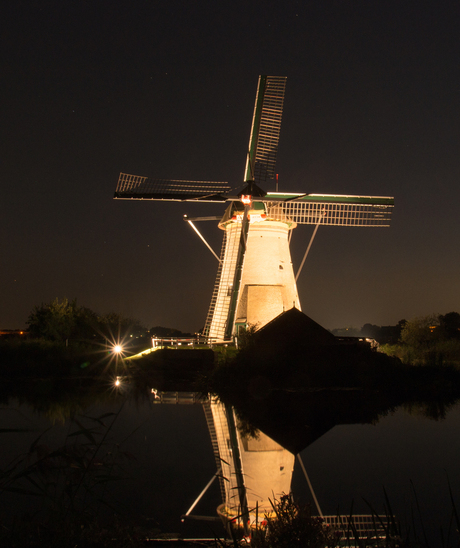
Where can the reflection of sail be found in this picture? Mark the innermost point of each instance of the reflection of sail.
(265, 467)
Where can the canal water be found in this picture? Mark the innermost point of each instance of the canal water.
(166, 459)
(411, 457)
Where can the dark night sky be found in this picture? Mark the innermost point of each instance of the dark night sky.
(166, 89)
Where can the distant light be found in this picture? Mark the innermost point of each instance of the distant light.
(246, 199)
(118, 349)
(117, 381)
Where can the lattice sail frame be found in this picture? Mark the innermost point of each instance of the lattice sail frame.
(145, 188)
(269, 128)
(331, 214)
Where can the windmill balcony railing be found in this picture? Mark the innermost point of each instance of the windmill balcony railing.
(193, 342)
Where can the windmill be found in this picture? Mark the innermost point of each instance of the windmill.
(255, 278)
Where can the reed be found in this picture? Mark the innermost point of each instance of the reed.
(292, 525)
(70, 484)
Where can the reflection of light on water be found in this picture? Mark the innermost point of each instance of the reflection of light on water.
(121, 383)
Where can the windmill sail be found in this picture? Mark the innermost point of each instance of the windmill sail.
(260, 164)
(143, 188)
(332, 210)
(265, 132)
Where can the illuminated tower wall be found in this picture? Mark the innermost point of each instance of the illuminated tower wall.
(268, 285)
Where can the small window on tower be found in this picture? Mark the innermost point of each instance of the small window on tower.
(281, 267)
(229, 290)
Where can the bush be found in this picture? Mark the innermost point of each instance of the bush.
(439, 353)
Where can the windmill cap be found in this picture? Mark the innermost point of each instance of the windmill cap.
(252, 189)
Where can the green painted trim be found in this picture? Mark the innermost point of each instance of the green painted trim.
(256, 206)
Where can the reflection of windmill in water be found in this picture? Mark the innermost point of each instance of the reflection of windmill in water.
(253, 471)
(255, 280)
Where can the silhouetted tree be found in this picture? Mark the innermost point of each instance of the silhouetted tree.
(159, 331)
(61, 320)
(387, 334)
(421, 332)
(117, 327)
(370, 331)
(450, 325)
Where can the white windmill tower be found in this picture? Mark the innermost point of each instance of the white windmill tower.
(255, 279)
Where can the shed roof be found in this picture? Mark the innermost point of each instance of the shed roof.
(294, 327)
